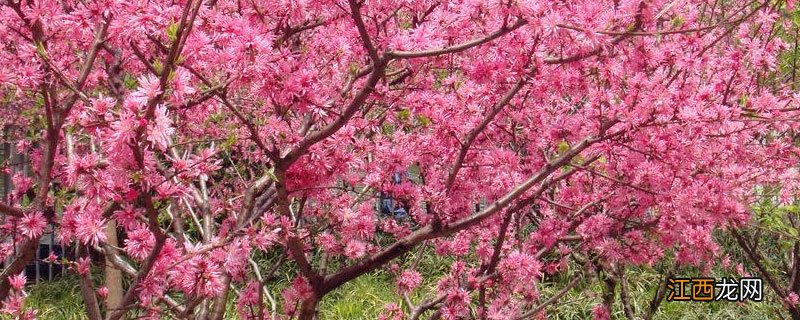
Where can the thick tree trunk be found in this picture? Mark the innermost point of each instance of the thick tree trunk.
(218, 307)
(88, 292)
(27, 251)
(113, 275)
(308, 308)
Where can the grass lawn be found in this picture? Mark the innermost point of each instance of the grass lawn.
(365, 298)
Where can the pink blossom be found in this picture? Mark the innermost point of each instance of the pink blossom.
(160, 130)
(128, 217)
(13, 305)
(600, 312)
(295, 293)
(792, 299)
(91, 228)
(249, 301)
(139, 243)
(83, 265)
(520, 268)
(408, 281)
(51, 258)
(17, 281)
(102, 292)
(32, 224)
(149, 87)
(355, 249)
(391, 312)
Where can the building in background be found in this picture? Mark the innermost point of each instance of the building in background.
(39, 269)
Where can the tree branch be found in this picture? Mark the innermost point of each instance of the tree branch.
(349, 111)
(355, 9)
(755, 258)
(459, 47)
(429, 232)
(11, 211)
(88, 292)
(473, 134)
(623, 294)
(558, 295)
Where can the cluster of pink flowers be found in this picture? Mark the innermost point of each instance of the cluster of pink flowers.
(408, 281)
(13, 304)
(217, 137)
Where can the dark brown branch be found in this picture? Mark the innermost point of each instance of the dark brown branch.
(627, 184)
(623, 294)
(247, 123)
(86, 69)
(580, 56)
(349, 111)
(755, 258)
(425, 306)
(498, 245)
(646, 33)
(88, 292)
(657, 298)
(11, 211)
(290, 31)
(130, 295)
(25, 254)
(473, 134)
(597, 50)
(120, 264)
(355, 9)
(429, 232)
(549, 301)
(459, 47)
(733, 26)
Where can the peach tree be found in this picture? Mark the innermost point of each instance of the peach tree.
(208, 134)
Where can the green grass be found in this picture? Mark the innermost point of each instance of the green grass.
(58, 300)
(366, 296)
(578, 303)
(362, 298)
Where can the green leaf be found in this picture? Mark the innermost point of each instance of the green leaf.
(677, 22)
(158, 67)
(792, 232)
(404, 114)
(271, 174)
(129, 81)
(423, 120)
(387, 129)
(229, 141)
(172, 32)
(562, 147)
(40, 49)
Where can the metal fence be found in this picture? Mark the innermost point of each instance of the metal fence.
(43, 269)
(39, 269)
